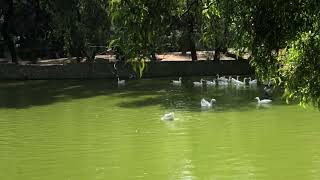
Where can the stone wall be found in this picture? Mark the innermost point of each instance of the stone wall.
(107, 70)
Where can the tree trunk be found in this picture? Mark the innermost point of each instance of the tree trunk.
(153, 56)
(217, 54)
(38, 28)
(193, 52)
(6, 28)
(192, 44)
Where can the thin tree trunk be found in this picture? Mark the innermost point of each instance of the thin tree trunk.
(6, 31)
(191, 41)
(153, 56)
(217, 54)
(193, 52)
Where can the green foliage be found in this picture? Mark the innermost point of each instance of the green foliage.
(284, 39)
(214, 25)
(300, 64)
(282, 35)
(81, 24)
(138, 66)
(139, 26)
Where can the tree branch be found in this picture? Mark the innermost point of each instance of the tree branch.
(189, 8)
(208, 6)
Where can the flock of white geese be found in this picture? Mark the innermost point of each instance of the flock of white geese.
(219, 81)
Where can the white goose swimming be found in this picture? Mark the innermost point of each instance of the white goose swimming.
(177, 83)
(168, 117)
(206, 104)
(238, 82)
(198, 84)
(211, 83)
(223, 78)
(223, 83)
(264, 101)
(235, 80)
(121, 82)
(252, 82)
(268, 91)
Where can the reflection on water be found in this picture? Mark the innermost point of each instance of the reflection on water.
(93, 130)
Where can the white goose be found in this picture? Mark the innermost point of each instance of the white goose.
(211, 83)
(230, 79)
(206, 104)
(235, 80)
(223, 83)
(121, 82)
(238, 82)
(198, 84)
(264, 101)
(223, 78)
(177, 83)
(168, 117)
(268, 90)
(252, 82)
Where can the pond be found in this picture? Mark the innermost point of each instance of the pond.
(81, 130)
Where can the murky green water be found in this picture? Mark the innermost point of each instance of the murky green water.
(86, 130)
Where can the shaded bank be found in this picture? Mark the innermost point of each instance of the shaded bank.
(110, 70)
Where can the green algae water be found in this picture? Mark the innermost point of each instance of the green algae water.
(86, 130)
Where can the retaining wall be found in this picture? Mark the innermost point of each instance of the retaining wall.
(107, 70)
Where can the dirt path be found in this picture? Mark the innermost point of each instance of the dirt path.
(178, 56)
(170, 56)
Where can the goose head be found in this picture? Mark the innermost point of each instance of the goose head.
(257, 98)
(244, 80)
(213, 101)
(180, 78)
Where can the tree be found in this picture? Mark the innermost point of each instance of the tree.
(7, 29)
(284, 39)
(145, 25)
(81, 24)
(215, 27)
(197, 22)
(282, 35)
(139, 26)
